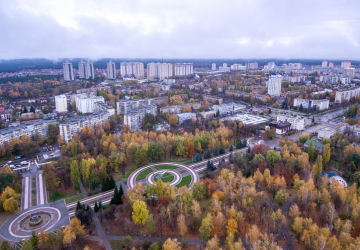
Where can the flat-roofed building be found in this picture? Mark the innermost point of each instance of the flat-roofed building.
(72, 127)
(86, 104)
(125, 106)
(61, 103)
(307, 104)
(297, 124)
(346, 94)
(331, 130)
(185, 117)
(134, 119)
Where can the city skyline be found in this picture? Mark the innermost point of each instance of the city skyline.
(159, 29)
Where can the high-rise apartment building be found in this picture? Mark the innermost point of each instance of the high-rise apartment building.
(213, 66)
(132, 69)
(350, 72)
(183, 69)
(331, 65)
(111, 70)
(61, 103)
(345, 64)
(271, 65)
(86, 70)
(253, 65)
(68, 71)
(274, 85)
(85, 104)
(324, 64)
(159, 70)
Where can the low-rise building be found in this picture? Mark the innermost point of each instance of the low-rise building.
(331, 130)
(316, 104)
(134, 119)
(208, 114)
(32, 129)
(72, 127)
(297, 124)
(185, 117)
(317, 144)
(212, 99)
(279, 126)
(177, 109)
(247, 119)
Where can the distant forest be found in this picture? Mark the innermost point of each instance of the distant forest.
(19, 64)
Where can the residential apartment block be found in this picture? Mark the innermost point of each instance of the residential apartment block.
(111, 70)
(213, 66)
(349, 72)
(126, 106)
(185, 117)
(159, 70)
(86, 104)
(72, 127)
(274, 84)
(32, 129)
(61, 103)
(212, 99)
(296, 123)
(324, 64)
(253, 65)
(307, 104)
(331, 130)
(346, 94)
(134, 119)
(132, 69)
(86, 70)
(183, 69)
(177, 109)
(346, 64)
(224, 68)
(68, 71)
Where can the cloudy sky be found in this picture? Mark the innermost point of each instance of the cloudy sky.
(286, 29)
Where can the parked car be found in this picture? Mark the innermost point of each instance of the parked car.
(52, 155)
(18, 157)
(24, 163)
(9, 162)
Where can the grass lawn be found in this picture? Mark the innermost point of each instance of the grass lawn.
(143, 174)
(74, 199)
(185, 181)
(168, 178)
(125, 182)
(189, 163)
(58, 196)
(115, 244)
(166, 167)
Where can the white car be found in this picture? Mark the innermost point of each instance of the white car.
(11, 166)
(24, 163)
(9, 162)
(52, 155)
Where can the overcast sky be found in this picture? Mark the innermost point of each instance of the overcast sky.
(285, 29)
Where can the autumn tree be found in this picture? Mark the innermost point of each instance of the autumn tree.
(326, 154)
(182, 224)
(75, 175)
(205, 228)
(173, 119)
(140, 213)
(190, 149)
(170, 244)
(317, 168)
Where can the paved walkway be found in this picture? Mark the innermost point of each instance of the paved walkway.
(83, 190)
(102, 235)
(155, 239)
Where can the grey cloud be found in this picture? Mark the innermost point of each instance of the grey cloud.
(198, 29)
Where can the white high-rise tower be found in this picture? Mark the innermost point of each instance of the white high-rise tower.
(68, 71)
(86, 70)
(111, 70)
(274, 85)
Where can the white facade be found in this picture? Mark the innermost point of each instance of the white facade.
(132, 69)
(111, 70)
(183, 69)
(346, 94)
(274, 85)
(32, 129)
(61, 103)
(296, 123)
(329, 132)
(350, 72)
(324, 64)
(271, 65)
(253, 65)
(70, 128)
(320, 104)
(213, 66)
(86, 70)
(85, 104)
(68, 71)
(126, 106)
(237, 67)
(134, 119)
(159, 70)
